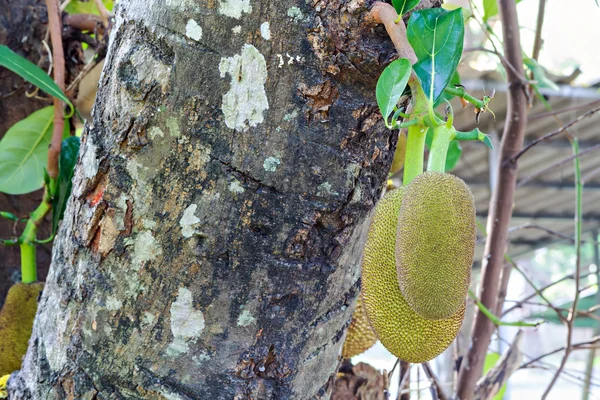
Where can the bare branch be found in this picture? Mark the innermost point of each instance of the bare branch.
(493, 381)
(552, 134)
(550, 231)
(55, 27)
(588, 344)
(436, 388)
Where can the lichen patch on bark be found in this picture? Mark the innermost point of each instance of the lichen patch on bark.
(234, 8)
(187, 323)
(243, 105)
(188, 221)
(193, 30)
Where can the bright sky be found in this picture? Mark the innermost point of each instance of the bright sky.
(571, 36)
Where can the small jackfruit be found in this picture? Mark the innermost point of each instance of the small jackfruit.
(360, 336)
(435, 244)
(16, 322)
(402, 331)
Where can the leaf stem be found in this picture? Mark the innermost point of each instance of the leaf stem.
(462, 93)
(495, 320)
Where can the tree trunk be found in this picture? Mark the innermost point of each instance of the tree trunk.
(211, 247)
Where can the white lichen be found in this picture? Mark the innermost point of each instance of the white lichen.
(145, 248)
(235, 187)
(193, 30)
(265, 31)
(271, 164)
(188, 220)
(324, 189)
(234, 8)
(88, 160)
(150, 69)
(173, 126)
(245, 318)
(113, 304)
(236, 29)
(295, 13)
(187, 323)
(244, 103)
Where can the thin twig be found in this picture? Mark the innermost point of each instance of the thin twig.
(542, 289)
(559, 163)
(503, 60)
(537, 43)
(573, 313)
(575, 346)
(552, 134)
(436, 388)
(104, 13)
(55, 28)
(550, 231)
(562, 110)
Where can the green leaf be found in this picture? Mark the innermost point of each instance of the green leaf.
(437, 36)
(31, 73)
(539, 74)
(24, 152)
(404, 6)
(454, 151)
(390, 86)
(87, 7)
(446, 96)
(66, 167)
(8, 215)
(490, 9)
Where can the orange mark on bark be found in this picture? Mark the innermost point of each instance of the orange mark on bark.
(95, 197)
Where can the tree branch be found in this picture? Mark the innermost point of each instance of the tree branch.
(500, 204)
(55, 27)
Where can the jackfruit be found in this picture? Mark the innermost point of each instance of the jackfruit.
(402, 331)
(435, 244)
(16, 322)
(360, 336)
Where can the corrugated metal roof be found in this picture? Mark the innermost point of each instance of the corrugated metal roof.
(545, 195)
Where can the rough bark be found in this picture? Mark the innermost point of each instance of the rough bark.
(22, 28)
(211, 247)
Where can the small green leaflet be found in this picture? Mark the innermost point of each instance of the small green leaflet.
(31, 73)
(404, 6)
(539, 74)
(454, 151)
(490, 9)
(88, 7)
(437, 36)
(390, 86)
(24, 152)
(66, 167)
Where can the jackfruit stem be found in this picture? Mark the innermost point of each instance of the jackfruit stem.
(28, 267)
(442, 136)
(415, 147)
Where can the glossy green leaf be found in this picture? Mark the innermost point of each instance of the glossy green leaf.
(390, 86)
(66, 167)
(24, 152)
(404, 6)
(87, 7)
(539, 74)
(490, 9)
(454, 151)
(437, 36)
(31, 73)
(455, 80)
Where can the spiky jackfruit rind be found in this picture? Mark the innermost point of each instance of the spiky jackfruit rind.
(435, 244)
(360, 336)
(403, 332)
(16, 322)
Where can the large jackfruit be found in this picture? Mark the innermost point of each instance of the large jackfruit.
(435, 244)
(403, 332)
(360, 335)
(16, 322)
